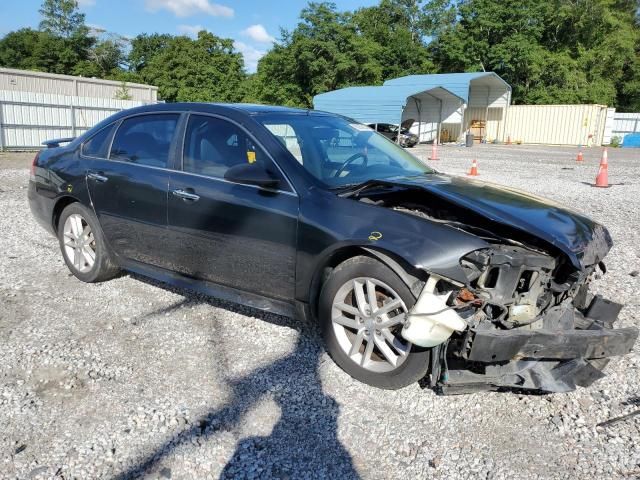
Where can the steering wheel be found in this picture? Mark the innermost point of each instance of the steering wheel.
(349, 161)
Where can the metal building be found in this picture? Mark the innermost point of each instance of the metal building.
(37, 106)
(444, 106)
(52, 83)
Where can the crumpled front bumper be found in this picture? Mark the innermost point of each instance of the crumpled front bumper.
(547, 360)
(507, 345)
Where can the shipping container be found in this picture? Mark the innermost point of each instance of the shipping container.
(556, 124)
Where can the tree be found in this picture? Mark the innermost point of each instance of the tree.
(144, 47)
(35, 50)
(123, 92)
(62, 43)
(62, 18)
(398, 27)
(203, 70)
(322, 53)
(550, 51)
(105, 59)
(23, 49)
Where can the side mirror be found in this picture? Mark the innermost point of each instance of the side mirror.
(251, 174)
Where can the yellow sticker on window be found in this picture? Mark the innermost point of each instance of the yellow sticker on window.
(251, 156)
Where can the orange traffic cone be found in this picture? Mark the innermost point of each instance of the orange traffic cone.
(434, 150)
(474, 169)
(579, 158)
(602, 179)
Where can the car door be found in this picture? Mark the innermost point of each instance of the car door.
(129, 188)
(237, 235)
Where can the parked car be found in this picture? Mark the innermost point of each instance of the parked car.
(411, 274)
(407, 139)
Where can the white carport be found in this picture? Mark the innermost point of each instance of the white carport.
(393, 104)
(485, 98)
(444, 106)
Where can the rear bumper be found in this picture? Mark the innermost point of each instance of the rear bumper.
(543, 359)
(41, 207)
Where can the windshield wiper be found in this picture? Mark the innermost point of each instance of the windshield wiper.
(353, 189)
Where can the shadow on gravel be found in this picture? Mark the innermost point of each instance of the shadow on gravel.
(302, 444)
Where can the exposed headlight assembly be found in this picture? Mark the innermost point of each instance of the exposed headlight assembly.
(513, 281)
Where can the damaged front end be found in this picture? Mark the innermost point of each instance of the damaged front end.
(521, 321)
(519, 313)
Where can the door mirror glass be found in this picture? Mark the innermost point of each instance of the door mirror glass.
(251, 174)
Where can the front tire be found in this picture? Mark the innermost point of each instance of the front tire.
(83, 246)
(361, 310)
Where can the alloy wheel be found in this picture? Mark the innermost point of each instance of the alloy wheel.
(367, 317)
(79, 243)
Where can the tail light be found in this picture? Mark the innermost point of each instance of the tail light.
(34, 164)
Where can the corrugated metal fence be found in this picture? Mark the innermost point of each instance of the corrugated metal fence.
(29, 118)
(624, 124)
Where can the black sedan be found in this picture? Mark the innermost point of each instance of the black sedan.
(411, 274)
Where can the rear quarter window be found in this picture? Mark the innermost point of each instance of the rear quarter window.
(98, 144)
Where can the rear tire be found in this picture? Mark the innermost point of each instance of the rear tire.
(83, 246)
(350, 324)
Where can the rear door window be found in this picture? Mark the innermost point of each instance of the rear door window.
(145, 139)
(98, 145)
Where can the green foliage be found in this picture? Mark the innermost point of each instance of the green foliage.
(104, 60)
(62, 43)
(25, 49)
(550, 51)
(62, 18)
(398, 27)
(144, 47)
(207, 69)
(330, 49)
(38, 50)
(123, 92)
(615, 142)
(322, 53)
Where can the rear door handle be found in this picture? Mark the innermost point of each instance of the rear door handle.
(186, 195)
(97, 177)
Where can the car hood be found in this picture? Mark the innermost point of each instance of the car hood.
(584, 241)
(407, 123)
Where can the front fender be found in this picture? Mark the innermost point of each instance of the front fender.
(329, 223)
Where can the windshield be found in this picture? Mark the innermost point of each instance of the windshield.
(339, 152)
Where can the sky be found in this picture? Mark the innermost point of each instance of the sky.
(253, 24)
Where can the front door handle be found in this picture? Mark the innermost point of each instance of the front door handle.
(186, 195)
(97, 177)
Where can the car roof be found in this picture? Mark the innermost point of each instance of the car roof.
(254, 108)
(246, 108)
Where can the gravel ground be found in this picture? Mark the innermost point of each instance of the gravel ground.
(131, 378)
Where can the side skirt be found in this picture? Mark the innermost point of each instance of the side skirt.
(222, 292)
